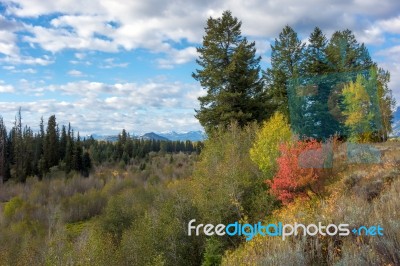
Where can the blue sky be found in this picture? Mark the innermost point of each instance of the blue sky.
(105, 65)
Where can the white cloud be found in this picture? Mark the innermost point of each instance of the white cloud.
(13, 69)
(391, 62)
(110, 25)
(75, 73)
(110, 63)
(6, 88)
(27, 60)
(9, 67)
(391, 25)
(177, 57)
(80, 56)
(104, 108)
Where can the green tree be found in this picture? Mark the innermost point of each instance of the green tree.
(3, 150)
(63, 142)
(213, 252)
(39, 143)
(86, 164)
(229, 71)
(286, 63)
(77, 155)
(69, 151)
(346, 55)
(50, 149)
(18, 148)
(316, 62)
(386, 103)
(308, 95)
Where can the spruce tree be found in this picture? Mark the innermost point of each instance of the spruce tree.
(286, 64)
(317, 120)
(69, 152)
(18, 148)
(63, 143)
(347, 55)
(77, 155)
(51, 152)
(3, 150)
(229, 71)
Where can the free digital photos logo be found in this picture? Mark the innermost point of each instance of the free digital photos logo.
(281, 230)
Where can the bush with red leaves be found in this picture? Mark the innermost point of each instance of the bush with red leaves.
(300, 168)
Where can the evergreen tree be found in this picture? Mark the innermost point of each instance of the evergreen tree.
(86, 164)
(18, 148)
(77, 155)
(69, 150)
(386, 103)
(63, 142)
(29, 148)
(286, 63)
(51, 151)
(229, 71)
(39, 143)
(310, 115)
(3, 150)
(316, 61)
(346, 55)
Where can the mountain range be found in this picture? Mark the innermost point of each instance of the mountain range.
(396, 123)
(200, 135)
(172, 136)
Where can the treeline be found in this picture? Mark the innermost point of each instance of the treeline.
(305, 82)
(127, 148)
(24, 153)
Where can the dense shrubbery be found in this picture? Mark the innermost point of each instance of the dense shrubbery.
(300, 170)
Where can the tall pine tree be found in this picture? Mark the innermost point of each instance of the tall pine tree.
(229, 71)
(286, 63)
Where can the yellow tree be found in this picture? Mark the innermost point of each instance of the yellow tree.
(265, 149)
(358, 111)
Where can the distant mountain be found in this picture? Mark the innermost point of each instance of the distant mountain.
(396, 123)
(173, 136)
(191, 135)
(152, 136)
(111, 138)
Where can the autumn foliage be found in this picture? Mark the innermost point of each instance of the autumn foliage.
(299, 169)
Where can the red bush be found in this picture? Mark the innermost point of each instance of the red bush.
(299, 168)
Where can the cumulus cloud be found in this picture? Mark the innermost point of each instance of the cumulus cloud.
(111, 63)
(171, 33)
(96, 107)
(177, 57)
(391, 62)
(6, 87)
(75, 73)
(27, 60)
(110, 25)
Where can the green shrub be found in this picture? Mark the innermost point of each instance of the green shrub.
(81, 207)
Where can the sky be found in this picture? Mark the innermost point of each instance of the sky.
(105, 65)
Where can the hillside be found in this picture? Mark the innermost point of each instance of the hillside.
(357, 194)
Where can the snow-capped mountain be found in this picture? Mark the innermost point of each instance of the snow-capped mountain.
(173, 136)
(191, 135)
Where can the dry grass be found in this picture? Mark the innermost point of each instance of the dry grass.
(360, 194)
